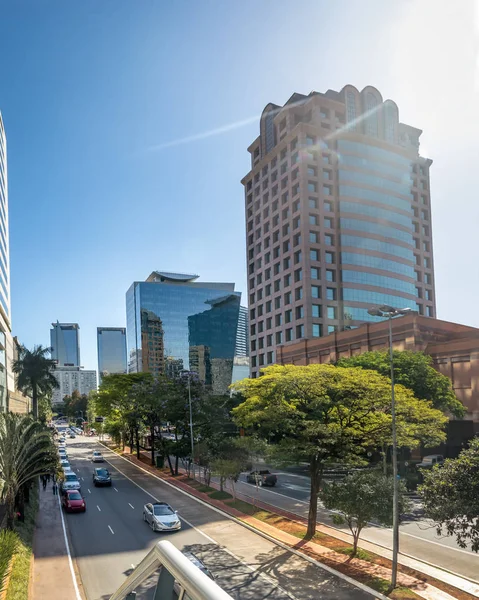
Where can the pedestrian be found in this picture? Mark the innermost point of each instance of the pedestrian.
(54, 488)
(44, 481)
(54, 477)
(48, 477)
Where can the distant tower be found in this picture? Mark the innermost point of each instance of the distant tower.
(65, 343)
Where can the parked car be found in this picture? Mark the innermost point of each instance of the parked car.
(101, 477)
(262, 478)
(161, 517)
(72, 435)
(97, 457)
(70, 482)
(64, 464)
(72, 501)
(429, 461)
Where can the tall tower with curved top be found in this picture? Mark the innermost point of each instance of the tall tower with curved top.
(338, 218)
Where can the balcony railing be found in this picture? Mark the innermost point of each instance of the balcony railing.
(178, 576)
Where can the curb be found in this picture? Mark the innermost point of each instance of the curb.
(264, 535)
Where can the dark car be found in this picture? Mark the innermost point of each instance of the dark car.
(101, 477)
(262, 478)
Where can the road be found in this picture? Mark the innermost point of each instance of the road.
(417, 536)
(111, 538)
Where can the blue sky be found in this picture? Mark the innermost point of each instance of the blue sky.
(97, 97)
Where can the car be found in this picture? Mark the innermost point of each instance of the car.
(161, 517)
(70, 482)
(101, 477)
(97, 457)
(64, 464)
(72, 435)
(263, 477)
(429, 461)
(62, 451)
(67, 470)
(72, 501)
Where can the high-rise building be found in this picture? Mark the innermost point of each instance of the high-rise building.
(71, 379)
(111, 344)
(338, 218)
(7, 379)
(176, 323)
(65, 344)
(242, 343)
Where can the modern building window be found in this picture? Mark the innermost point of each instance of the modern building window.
(297, 239)
(377, 229)
(269, 340)
(330, 275)
(298, 257)
(313, 237)
(428, 295)
(277, 285)
(313, 219)
(329, 256)
(312, 186)
(328, 207)
(279, 320)
(298, 293)
(377, 298)
(296, 222)
(331, 312)
(314, 254)
(312, 172)
(329, 240)
(364, 278)
(269, 306)
(313, 203)
(253, 345)
(327, 190)
(296, 205)
(366, 243)
(287, 280)
(315, 273)
(286, 262)
(316, 330)
(315, 291)
(326, 174)
(316, 311)
(310, 141)
(267, 290)
(288, 316)
(328, 223)
(276, 268)
(375, 262)
(261, 343)
(427, 278)
(299, 312)
(270, 357)
(269, 323)
(332, 328)
(331, 293)
(299, 331)
(288, 298)
(427, 262)
(429, 311)
(289, 335)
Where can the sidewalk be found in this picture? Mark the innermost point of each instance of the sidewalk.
(421, 588)
(51, 576)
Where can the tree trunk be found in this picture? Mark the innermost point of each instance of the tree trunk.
(132, 439)
(35, 401)
(176, 451)
(152, 435)
(172, 471)
(222, 479)
(316, 472)
(176, 464)
(355, 543)
(10, 506)
(137, 435)
(385, 459)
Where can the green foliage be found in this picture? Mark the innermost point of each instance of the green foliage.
(9, 541)
(26, 451)
(360, 498)
(451, 497)
(75, 404)
(323, 414)
(34, 373)
(45, 412)
(414, 370)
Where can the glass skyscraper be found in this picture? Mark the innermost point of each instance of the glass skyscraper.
(175, 323)
(65, 343)
(111, 343)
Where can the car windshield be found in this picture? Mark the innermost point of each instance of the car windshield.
(74, 496)
(102, 472)
(71, 477)
(162, 510)
(96, 453)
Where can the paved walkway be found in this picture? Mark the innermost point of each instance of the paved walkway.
(51, 573)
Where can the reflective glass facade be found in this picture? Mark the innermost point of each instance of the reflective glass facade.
(183, 325)
(65, 344)
(111, 344)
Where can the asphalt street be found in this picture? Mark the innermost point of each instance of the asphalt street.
(111, 538)
(418, 537)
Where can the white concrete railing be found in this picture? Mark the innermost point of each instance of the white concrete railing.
(175, 567)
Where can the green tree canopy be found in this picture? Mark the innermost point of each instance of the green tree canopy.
(323, 414)
(451, 497)
(414, 370)
(34, 373)
(361, 498)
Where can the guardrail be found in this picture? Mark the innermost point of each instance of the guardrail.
(178, 574)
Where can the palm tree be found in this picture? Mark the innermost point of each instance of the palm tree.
(26, 451)
(34, 373)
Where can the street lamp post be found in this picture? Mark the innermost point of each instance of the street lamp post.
(390, 312)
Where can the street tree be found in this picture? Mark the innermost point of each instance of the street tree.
(324, 414)
(34, 373)
(414, 370)
(361, 498)
(26, 451)
(450, 494)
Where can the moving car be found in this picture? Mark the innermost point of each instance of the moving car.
(97, 457)
(101, 477)
(70, 482)
(72, 501)
(262, 478)
(161, 517)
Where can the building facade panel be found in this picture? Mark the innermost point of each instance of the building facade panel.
(111, 345)
(65, 344)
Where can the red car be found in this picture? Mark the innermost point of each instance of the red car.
(72, 501)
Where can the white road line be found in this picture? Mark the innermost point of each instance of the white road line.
(98, 507)
(132, 506)
(82, 479)
(111, 530)
(70, 562)
(115, 489)
(132, 566)
(89, 490)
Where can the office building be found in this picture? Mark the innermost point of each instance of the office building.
(65, 344)
(338, 218)
(111, 345)
(7, 379)
(241, 359)
(71, 379)
(175, 323)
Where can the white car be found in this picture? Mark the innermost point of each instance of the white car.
(161, 517)
(70, 482)
(97, 457)
(64, 463)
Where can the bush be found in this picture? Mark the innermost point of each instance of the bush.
(9, 542)
(220, 496)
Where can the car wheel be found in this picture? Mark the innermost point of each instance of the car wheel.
(260, 483)
(273, 484)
